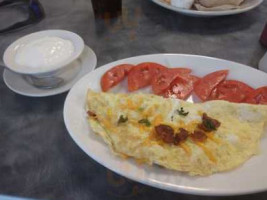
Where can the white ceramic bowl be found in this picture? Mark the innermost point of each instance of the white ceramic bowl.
(42, 77)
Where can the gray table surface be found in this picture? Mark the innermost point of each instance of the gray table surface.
(38, 159)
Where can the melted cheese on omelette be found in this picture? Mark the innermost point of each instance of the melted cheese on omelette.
(234, 142)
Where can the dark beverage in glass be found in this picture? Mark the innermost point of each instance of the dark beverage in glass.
(263, 39)
(107, 8)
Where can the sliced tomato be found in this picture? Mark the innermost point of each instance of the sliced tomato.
(127, 68)
(193, 78)
(141, 75)
(235, 97)
(157, 68)
(231, 90)
(181, 70)
(163, 79)
(205, 85)
(259, 96)
(114, 76)
(181, 87)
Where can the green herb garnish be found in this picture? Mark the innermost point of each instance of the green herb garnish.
(122, 119)
(182, 112)
(140, 109)
(145, 122)
(209, 124)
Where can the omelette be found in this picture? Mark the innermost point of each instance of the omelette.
(195, 138)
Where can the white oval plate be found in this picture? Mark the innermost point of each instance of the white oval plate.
(246, 6)
(249, 178)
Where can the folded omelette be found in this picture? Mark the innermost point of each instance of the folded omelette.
(196, 138)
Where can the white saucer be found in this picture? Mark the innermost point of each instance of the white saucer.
(16, 82)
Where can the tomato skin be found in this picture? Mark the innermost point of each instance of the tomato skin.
(141, 75)
(232, 91)
(205, 85)
(114, 76)
(181, 87)
(259, 96)
(163, 79)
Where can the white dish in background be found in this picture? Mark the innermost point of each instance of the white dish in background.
(249, 178)
(17, 83)
(11, 52)
(246, 6)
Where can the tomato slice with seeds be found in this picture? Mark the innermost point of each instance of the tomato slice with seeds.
(141, 75)
(235, 97)
(114, 76)
(259, 96)
(163, 80)
(231, 90)
(181, 87)
(234, 85)
(205, 85)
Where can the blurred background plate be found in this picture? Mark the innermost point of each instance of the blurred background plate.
(246, 6)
